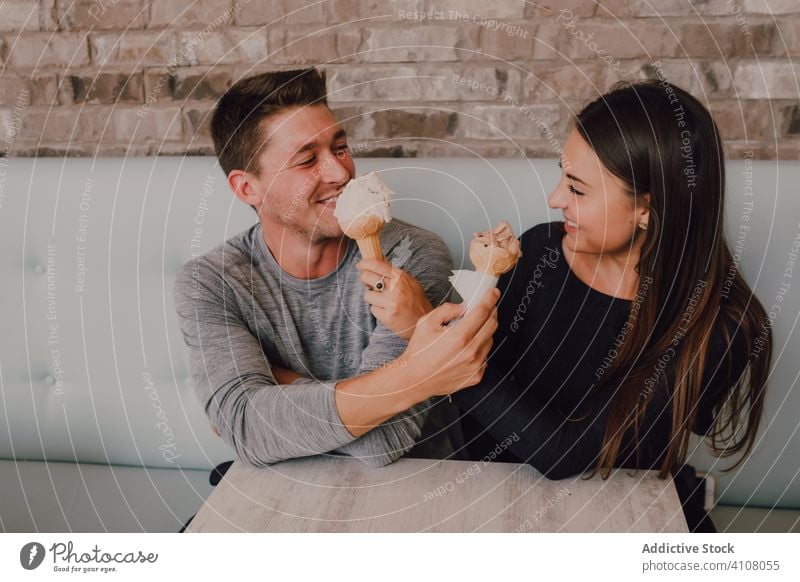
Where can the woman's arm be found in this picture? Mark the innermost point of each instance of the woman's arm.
(558, 443)
(559, 447)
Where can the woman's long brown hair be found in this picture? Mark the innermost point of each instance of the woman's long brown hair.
(661, 141)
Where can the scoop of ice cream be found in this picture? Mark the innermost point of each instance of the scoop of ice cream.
(363, 197)
(495, 251)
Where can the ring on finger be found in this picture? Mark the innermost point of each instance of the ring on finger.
(379, 286)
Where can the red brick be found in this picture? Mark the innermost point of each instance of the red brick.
(726, 40)
(197, 146)
(508, 43)
(751, 120)
(19, 15)
(182, 13)
(101, 14)
(11, 128)
(200, 84)
(701, 78)
(566, 9)
(64, 124)
(664, 8)
(390, 149)
(614, 9)
(259, 13)
(468, 82)
(543, 148)
(638, 39)
(48, 15)
(313, 45)
(380, 10)
(106, 87)
(766, 80)
(546, 41)
(502, 122)
(197, 120)
(771, 7)
(160, 123)
(762, 39)
(79, 149)
(224, 46)
(371, 83)
(139, 48)
(42, 49)
(422, 122)
(478, 8)
(411, 43)
(40, 88)
(580, 80)
(159, 83)
(785, 149)
(790, 124)
(356, 121)
(737, 150)
(466, 148)
(790, 36)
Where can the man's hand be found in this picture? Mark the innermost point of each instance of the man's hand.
(442, 357)
(450, 353)
(400, 303)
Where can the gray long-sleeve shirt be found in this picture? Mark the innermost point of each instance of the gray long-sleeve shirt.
(240, 312)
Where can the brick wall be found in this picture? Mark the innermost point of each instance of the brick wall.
(408, 77)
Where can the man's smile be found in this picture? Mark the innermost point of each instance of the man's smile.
(329, 201)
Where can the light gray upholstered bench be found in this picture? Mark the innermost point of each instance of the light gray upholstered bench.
(93, 366)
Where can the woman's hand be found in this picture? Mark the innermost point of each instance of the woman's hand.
(447, 358)
(400, 303)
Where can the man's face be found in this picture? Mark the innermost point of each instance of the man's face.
(304, 167)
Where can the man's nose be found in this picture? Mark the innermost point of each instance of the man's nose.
(334, 170)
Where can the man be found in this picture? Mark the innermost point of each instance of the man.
(295, 350)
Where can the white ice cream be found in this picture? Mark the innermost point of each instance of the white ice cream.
(472, 285)
(362, 196)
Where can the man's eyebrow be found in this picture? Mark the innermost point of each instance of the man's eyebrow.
(573, 177)
(313, 144)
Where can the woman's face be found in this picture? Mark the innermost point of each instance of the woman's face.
(600, 216)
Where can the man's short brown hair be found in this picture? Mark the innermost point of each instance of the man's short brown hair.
(236, 123)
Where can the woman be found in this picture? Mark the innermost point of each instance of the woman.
(627, 326)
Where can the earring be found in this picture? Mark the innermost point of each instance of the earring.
(643, 225)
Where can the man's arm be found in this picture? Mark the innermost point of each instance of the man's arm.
(266, 422)
(430, 263)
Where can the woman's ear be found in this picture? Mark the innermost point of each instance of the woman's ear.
(643, 210)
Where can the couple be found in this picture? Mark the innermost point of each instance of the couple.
(622, 330)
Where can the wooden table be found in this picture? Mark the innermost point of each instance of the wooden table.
(339, 494)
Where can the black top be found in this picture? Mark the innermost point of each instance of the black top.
(554, 339)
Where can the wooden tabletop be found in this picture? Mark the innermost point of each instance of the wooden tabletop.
(340, 494)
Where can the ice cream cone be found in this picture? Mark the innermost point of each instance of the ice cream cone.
(471, 285)
(363, 211)
(365, 230)
(495, 251)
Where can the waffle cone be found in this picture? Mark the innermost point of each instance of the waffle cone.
(365, 230)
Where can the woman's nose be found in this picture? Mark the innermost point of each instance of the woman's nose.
(557, 198)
